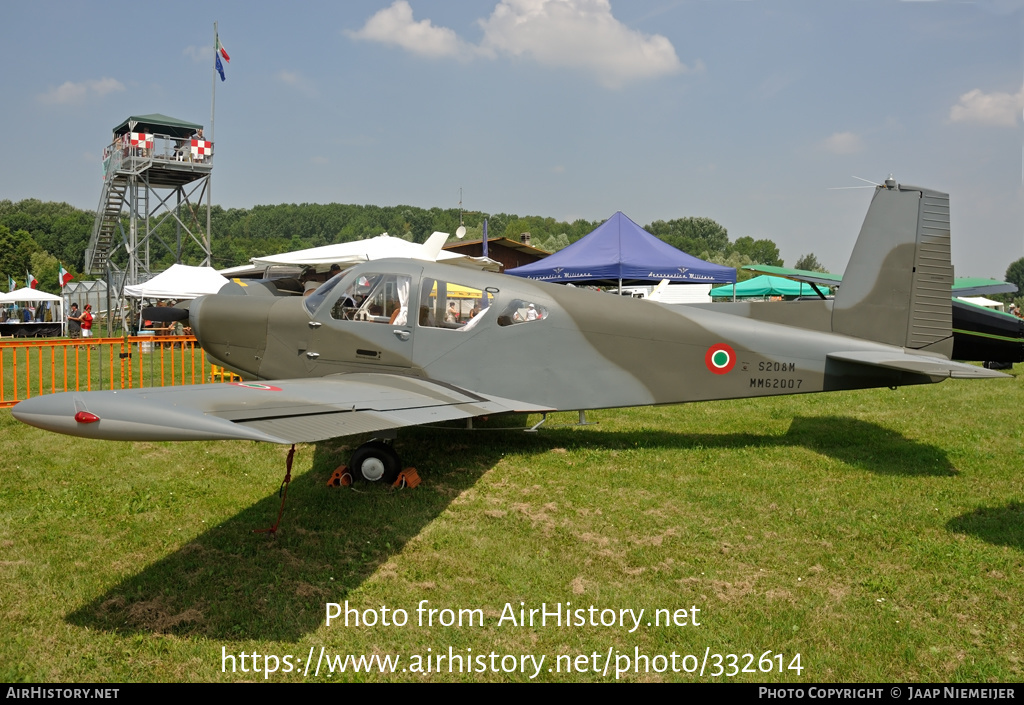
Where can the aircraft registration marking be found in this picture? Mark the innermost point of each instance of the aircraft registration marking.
(775, 383)
(776, 366)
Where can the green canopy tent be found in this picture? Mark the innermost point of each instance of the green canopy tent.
(763, 287)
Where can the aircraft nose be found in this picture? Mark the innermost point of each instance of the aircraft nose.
(232, 329)
(193, 317)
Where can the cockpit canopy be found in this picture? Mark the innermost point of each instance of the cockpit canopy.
(379, 294)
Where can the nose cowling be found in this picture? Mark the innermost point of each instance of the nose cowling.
(232, 329)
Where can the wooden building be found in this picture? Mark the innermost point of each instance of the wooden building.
(501, 249)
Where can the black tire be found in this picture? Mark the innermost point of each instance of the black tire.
(375, 461)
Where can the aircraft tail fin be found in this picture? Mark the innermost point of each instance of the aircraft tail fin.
(433, 246)
(897, 288)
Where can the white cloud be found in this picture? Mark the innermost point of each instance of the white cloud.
(395, 25)
(70, 92)
(199, 54)
(579, 34)
(576, 34)
(1001, 109)
(843, 143)
(297, 81)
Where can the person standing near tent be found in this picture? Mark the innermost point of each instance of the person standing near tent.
(74, 321)
(86, 321)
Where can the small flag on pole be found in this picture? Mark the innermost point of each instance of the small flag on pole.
(221, 50)
(31, 281)
(11, 284)
(63, 276)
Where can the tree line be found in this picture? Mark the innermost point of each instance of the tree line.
(38, 236)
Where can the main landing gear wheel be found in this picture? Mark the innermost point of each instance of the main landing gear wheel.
(375, 461)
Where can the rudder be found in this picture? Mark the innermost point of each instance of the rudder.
(897, 288)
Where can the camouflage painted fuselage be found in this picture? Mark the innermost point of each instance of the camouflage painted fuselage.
(592, 350)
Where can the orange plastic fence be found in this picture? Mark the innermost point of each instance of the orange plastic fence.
(33, 367)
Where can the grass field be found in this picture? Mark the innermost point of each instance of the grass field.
(877, 534)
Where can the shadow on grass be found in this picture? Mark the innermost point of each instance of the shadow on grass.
(861, 444)
(1000, 526)
(868, 446)
(231, 584)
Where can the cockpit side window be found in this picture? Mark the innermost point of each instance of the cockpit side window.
(520, 311)
(452, 306)
(374, 298)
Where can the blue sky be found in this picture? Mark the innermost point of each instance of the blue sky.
(745, 112)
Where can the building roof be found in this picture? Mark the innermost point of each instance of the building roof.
(503, 241)
(159, 124)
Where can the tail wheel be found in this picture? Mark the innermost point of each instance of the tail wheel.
(375, 461)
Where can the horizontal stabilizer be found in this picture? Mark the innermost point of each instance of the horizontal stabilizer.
(917, 364)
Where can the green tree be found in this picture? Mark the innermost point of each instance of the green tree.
(45, 268)
(734, 259)
(810, 263)
(1015, 275)
(16, 249)
(762, 251)
(692, 235)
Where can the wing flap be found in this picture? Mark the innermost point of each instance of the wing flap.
(917, 364)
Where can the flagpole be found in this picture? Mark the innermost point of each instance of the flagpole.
(213, 81)
(209, 176)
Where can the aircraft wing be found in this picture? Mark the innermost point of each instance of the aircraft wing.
(288, 411)
(918, 364)
(797, 275)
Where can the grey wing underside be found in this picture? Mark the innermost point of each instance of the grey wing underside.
(288, 411)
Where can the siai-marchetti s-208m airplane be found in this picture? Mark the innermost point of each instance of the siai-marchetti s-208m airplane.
(394, 343)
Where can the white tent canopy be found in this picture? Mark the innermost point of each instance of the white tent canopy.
(179, 282)
(347, 254)
(27, 294)
(33, 295)
(982, 301)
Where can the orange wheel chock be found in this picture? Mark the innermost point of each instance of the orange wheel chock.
(341, 477)
(407, 478)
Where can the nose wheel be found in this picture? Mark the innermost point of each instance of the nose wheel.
(375, 461)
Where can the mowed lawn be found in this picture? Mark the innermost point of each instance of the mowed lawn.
(877, 534)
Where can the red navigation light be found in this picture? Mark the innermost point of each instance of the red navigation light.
(86, 417)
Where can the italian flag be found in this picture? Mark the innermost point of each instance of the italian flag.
(31, 281)
(63, 276)
(11, 284)
(221, 50)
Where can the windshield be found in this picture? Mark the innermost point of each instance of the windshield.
(313, 301)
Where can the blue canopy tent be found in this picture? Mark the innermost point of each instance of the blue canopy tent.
(620, 251)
